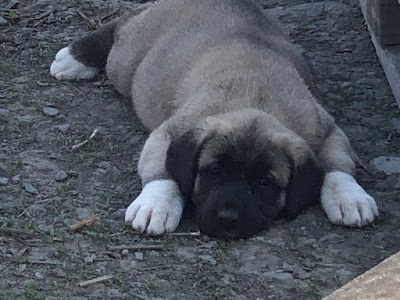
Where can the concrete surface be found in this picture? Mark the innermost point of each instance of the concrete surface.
(380, 283)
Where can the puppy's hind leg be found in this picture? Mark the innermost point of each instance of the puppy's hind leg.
(86, 56)
(343, 199)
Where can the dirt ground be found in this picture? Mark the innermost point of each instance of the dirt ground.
(43, 259)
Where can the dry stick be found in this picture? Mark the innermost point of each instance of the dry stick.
(80, 145)
(95, 280)
(109, 15)
(85, 222)
(88, 20)
(195, 233)
(42, 262)
(8, 230)
(11, 5)
(136, 247)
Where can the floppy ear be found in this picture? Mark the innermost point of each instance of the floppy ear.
(182, 158)
(304, 187)
(306, 177)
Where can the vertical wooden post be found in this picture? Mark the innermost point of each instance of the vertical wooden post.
(384, 19)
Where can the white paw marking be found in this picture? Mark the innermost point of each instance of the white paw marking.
(158, 209)
(346, 202)
(66, 67)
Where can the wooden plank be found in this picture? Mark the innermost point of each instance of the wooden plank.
(384, 18)
(382, 282)
(389, 56)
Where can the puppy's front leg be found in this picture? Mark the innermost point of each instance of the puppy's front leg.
(343, 199)
(159, 207)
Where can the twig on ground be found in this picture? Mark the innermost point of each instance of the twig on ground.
(95, 280)
(136, 247)
(85, 222)
(9, 230)
(195, 233)
(44, 262)
(43, 15)
(92, 23)
(80, 145)
(12, 4)
(108, 15)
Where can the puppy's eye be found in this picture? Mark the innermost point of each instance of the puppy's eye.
(265, 181)
(214, 169)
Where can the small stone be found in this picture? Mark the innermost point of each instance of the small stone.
(388, 165)
(21, 268)
(396, 124)
(30, 189)
(16, 179)
(50, 111)
(278, 275)
(3, 181)
(4, 113)
(21, 79)
(61, 273)
(125, 252)
(3, 22)
(208, 259)
(113, 293)
(139, 256)
(344, 275)
(39, 275)
(63, 127)
(61, 176)
(154, 253)
(88, 260)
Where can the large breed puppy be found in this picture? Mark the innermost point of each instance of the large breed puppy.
(234, 127)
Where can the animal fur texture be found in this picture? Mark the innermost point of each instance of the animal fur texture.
(233, 125)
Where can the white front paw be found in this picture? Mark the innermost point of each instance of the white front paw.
(65, 66)
(346, 202)
(158, 209)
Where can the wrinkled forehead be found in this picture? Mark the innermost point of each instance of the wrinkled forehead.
(246, 152)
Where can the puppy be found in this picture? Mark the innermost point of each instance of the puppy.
(234, 126)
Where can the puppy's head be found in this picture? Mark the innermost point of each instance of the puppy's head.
(242, 171)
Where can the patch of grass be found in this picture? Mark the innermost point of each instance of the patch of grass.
(8, 70)
(32, 291)
(15, 166)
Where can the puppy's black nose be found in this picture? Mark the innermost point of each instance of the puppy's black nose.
(228, 216)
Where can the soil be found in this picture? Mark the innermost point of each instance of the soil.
(43, 259)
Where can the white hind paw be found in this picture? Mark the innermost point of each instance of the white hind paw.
(66, 67)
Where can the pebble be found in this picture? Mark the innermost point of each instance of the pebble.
(50, 111)
(16, 179)
(113, 293)
(61, 273)
(139, 256)
(125, 252)
(208, 259)
(63, 127)
(3, 22)
(88, 260)
(154, 253)
(30, 189)
(4, 113)
(61, 176)
(39, 275)
(388, 165)
(278, 275)
(3, 181)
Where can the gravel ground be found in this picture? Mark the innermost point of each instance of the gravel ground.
(45, 187)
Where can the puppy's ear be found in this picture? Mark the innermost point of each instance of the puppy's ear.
(306, 177)
(182, 159)
(304, 187)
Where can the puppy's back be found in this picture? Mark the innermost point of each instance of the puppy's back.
(159, 48)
